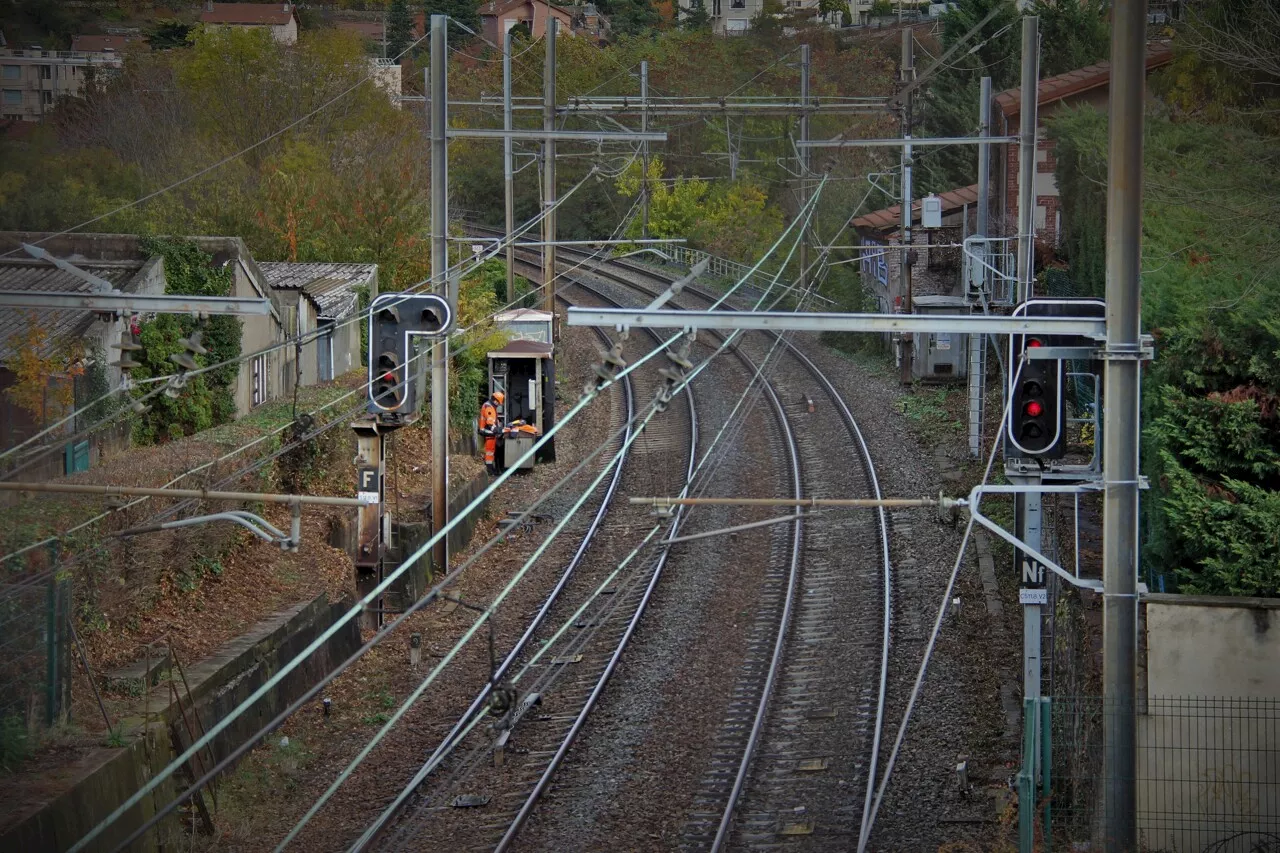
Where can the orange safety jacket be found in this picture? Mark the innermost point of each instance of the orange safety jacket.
(488, 424)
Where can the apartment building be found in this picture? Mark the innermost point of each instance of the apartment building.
(33, 79)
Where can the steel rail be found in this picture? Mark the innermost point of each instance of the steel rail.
(454, 736)
(869, 465)
(789, 601)
(526, 809)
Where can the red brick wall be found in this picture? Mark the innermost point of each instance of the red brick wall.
(1048, 234)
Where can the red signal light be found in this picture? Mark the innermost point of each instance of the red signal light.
(1034, 342)
(1033, 409)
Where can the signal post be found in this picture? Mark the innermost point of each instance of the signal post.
(395, 320)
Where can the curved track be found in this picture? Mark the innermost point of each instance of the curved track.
(787, 698)
(592, 649)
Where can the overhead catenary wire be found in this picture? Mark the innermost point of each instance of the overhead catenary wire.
(488, 612)
(914, 696)
(461, 729)
(301, 339)
(279, 452)
(421, 602)
(288, 667)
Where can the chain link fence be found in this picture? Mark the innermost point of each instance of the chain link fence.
(1208, 774)
(35, 661)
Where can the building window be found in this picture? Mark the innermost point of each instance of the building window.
(12, 97)
(11, 72)
(259, 379)
(12, 117)
(738, 4)
(46, 72)
(46, 98)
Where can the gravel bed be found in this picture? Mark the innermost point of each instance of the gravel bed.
(959, 716)
(278, 783)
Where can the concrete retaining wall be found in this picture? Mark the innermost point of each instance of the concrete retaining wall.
(88, 791)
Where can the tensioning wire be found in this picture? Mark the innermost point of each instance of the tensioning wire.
(377, 591)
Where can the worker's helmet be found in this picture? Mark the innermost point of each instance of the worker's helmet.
(499, 397)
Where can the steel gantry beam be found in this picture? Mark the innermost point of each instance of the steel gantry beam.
(841, 142)
(792, 321)
(133, 303)
(557, 135)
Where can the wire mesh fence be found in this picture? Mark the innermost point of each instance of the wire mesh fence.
(35, 655)
(1208, 774)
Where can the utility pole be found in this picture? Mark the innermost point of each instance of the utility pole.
(549, 171)
(978, 343)
(1121, 419)
(508, 172)
(804, 158)
(644, 150)
(439, 94)
(1027, 157)
(907, 72)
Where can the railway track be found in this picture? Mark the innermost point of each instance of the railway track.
(561, 679)
(795, 760)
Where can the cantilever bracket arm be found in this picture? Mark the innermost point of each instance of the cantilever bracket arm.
(255, 524)
(975, 498)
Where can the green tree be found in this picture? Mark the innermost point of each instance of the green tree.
(1073, 34)
(948, 105)
(830, 8)
(168, 33)
(399, 28)
(695, 16)
(464, 17)
(635, 17)
(1211, 299)
(207, 399)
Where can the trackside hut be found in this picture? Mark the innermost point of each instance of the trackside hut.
(321, 301)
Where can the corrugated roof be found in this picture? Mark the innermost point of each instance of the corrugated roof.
(891, 217)
(1080, 80)
(332, 286)
(273, 14)
(39, 276)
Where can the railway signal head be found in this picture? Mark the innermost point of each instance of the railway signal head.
(1037, 418)
(388, 389)
(389, 386)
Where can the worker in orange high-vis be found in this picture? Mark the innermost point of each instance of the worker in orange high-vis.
(490, 429)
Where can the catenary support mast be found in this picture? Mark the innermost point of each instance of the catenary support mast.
(1122, 399)
(440, 284)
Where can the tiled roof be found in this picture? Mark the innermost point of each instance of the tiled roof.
(39, 276)
(891, 217)
(374, 30)
(274, 14)
(98, 44)
(1080, 80)
(497, 7)
(331, 286)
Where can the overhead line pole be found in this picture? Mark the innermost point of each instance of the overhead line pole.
(906, 341)
(644, 149)
(508, 172)
(439, 277)
(1027, 156)
(1122, 398)
(549, 170)
(804, 159)
(978, 343)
